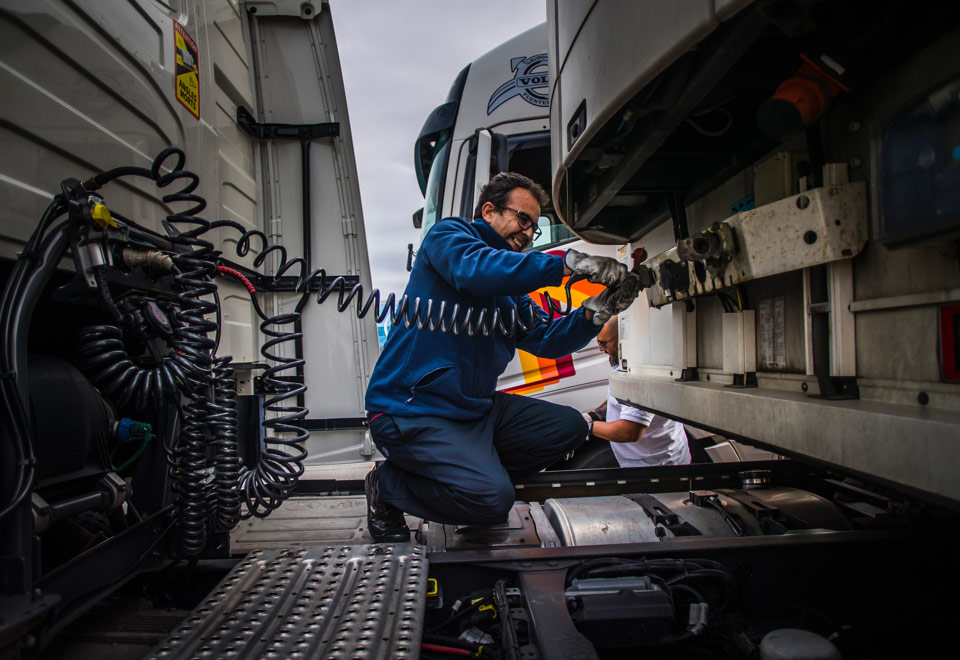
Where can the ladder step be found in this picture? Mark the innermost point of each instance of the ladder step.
(361, 600)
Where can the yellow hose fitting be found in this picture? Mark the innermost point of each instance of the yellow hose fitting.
(100, 214)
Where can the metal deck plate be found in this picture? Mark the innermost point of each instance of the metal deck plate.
(353, 601)
(307, 521)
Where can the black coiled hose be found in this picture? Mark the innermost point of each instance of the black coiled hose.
(209, 410)
(195, 266)
(275, 475)
(188, 470)
(223, 421)
(105, 360)
(448, 319)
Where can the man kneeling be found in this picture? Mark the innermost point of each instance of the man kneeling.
(454, 447)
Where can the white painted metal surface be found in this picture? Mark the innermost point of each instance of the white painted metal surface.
(607, 51)
(298, 81)
(815, 227)
(909, 300)
(843, 336)
(685, 344)
(740, 342)
(800, 256)
(902, 444)
(78, 100)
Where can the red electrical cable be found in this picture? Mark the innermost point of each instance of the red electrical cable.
(444, 649)
(238, 275)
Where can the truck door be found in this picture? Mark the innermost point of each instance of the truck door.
(486, 156)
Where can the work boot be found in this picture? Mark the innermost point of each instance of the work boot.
(385, 522)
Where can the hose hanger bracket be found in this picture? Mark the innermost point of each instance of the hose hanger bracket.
(303, 132)
(306, 133)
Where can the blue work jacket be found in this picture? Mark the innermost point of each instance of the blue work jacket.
(424, 372)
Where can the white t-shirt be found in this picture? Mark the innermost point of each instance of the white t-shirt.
(663, 443)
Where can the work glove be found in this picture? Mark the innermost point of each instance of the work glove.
(613, 300)
(599, 270)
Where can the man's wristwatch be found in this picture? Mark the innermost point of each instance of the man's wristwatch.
(588, 418)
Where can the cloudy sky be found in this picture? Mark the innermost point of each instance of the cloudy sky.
(399, 58)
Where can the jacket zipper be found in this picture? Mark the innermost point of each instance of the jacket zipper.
(413, 388)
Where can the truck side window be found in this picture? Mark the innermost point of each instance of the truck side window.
(553, 233)
(530, 155)
(433, 197)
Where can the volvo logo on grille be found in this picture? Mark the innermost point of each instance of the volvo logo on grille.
(530, 82)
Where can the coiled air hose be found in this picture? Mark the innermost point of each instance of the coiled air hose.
(104, 358)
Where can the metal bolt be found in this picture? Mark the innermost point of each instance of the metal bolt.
(923, 398)
(810, 237)
(804, 387)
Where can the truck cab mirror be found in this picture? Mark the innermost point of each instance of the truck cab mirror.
(418, 218)
(439, 121)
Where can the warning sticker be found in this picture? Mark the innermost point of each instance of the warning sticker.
(188, 70)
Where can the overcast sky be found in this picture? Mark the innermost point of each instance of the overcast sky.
(399, 59)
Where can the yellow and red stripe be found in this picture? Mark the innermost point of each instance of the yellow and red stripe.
(540, 372)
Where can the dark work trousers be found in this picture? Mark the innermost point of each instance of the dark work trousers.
(458, 472)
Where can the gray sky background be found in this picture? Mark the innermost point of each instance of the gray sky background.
(399, 59)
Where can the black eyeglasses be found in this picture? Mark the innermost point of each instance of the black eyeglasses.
(525, 221)
(603, 343)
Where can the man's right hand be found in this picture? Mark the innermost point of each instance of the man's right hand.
(613, 300)
(599, 270)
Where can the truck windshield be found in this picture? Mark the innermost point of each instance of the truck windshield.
(433, 197)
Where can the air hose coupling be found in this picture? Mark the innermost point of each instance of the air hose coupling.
(152, 259)
(127, 430)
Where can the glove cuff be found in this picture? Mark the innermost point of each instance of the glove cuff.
(589, 419)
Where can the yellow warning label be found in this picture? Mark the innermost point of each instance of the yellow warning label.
(187, 70)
